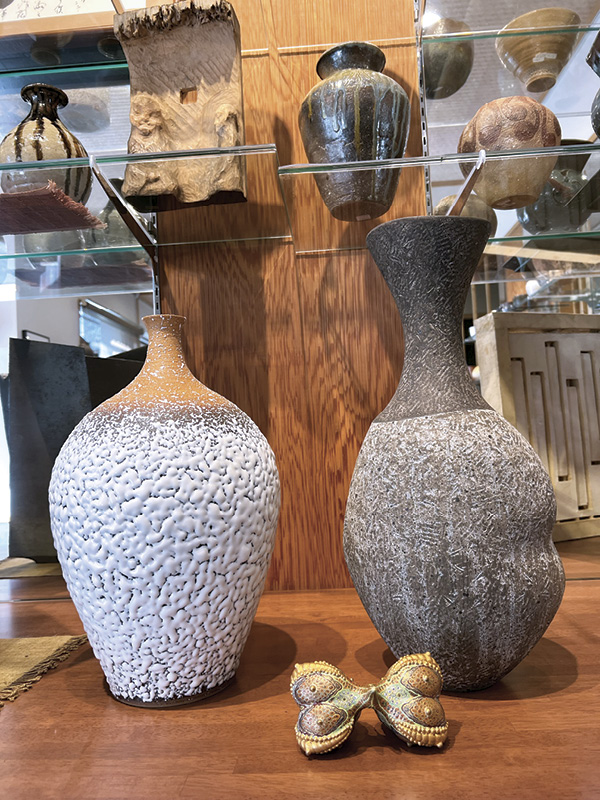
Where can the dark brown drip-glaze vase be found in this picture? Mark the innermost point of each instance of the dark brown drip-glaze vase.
(448, 523)
(355, 114)
(41, 136)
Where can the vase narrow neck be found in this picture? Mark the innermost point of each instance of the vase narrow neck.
(45, 101)
(428, 263)
(165, 349)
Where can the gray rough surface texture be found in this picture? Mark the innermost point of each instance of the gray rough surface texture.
(448, 523)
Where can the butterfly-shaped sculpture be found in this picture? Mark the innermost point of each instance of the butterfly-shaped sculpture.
(406, 701)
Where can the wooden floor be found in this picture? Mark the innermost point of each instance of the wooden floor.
(534, 735)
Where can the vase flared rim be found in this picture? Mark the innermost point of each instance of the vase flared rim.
(432, 221)
(32, 89)
(376, 54)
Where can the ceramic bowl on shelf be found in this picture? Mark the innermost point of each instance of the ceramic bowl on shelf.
(511, 123)
(474, 207)
(537, 58)
(446, 64)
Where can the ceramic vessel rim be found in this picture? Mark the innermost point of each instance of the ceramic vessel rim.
(164, 316)
(34, 88)
(518, 22)
(336, 47)
(463, 29)
(428, 220)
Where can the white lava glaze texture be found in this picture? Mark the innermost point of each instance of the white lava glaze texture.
(164, 514)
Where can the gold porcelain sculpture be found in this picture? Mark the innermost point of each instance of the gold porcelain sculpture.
(406, 700)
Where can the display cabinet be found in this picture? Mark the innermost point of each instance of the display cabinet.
(555, 235)
(276, 289)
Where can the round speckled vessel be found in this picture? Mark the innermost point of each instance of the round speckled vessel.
(448, 524)
(164, 503)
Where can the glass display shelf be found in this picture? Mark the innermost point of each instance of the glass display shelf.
(261, 216)
(570, 98)
(486, 18)
(56, 260)
(569, 208)
(571, 294)
(115, 271)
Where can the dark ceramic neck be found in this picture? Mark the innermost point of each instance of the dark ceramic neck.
(428, 264)
(350, 55)
(45, 100)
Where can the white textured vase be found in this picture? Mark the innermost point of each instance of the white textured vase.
(164, 503)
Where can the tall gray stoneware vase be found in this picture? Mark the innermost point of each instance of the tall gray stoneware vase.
(448, 523)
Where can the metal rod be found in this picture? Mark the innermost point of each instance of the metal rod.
(467, 187)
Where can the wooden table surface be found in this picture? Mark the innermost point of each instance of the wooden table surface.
(536, 734)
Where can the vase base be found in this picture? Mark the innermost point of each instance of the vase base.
(514, 201)
(358, 210)
(173, 702)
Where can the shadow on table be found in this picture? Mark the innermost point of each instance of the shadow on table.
(549, 668)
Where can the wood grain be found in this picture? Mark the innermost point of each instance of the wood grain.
(534, 734)
(310, 347)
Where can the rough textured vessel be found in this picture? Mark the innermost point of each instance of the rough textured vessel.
(164, 504)
(43, 137)
(537, 59)
(355, 114)
(448, 523)
(446, 64)
(511, 123)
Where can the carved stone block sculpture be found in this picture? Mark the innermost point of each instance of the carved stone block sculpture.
(186, 94)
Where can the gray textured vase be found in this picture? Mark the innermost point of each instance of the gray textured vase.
(448, 523)
(355, 114)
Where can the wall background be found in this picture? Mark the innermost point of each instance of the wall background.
(309, 346)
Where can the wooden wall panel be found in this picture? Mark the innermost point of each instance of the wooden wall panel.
(309, 346)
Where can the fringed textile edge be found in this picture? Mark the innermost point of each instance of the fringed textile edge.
(33, 675)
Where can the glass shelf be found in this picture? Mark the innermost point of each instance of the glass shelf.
(55, 261)
(575, 213)
(485, 18)
(114, 271)
(570, 98)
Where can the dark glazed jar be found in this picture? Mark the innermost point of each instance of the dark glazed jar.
(446, 64)
(41, 136)
(355, 114)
